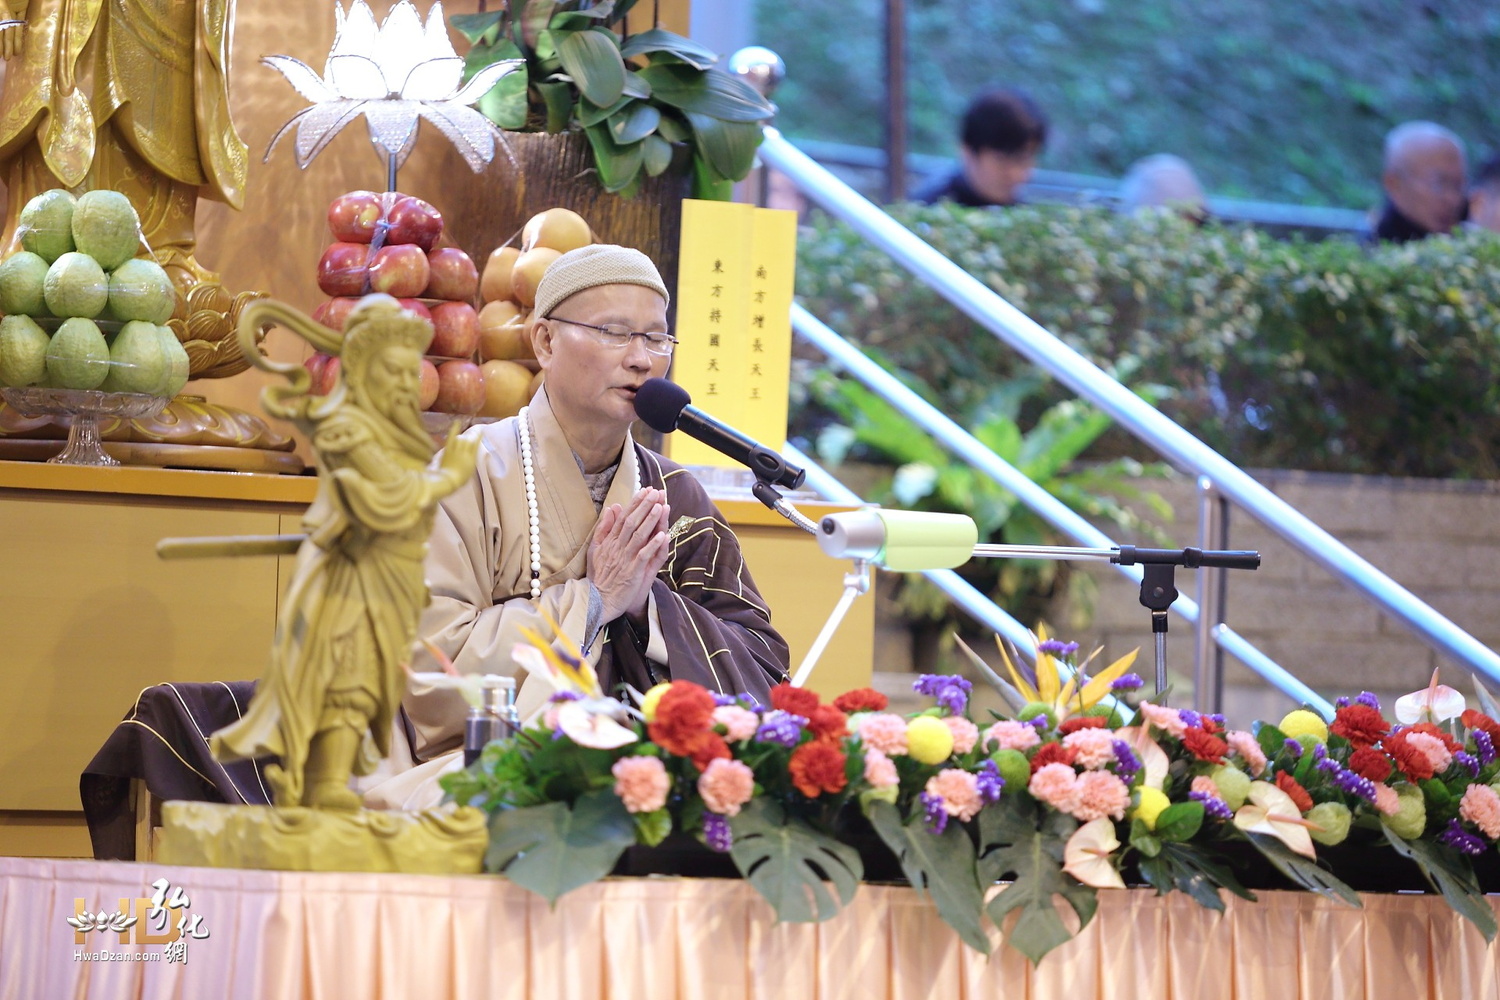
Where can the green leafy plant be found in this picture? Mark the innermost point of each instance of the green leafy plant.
(637, 97)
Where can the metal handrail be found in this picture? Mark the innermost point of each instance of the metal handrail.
(1134, 414)
(1054, 511)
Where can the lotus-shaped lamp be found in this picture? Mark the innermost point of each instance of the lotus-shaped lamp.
(393, 74)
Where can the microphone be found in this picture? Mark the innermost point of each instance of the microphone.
(664, 406)
(905, 541)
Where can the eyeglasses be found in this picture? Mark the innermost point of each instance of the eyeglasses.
(615, 335)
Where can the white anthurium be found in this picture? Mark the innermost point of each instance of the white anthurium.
(393, 74)
(1154, 761)
(1087, 853)
(591, 723)
(1436, 703)
(1272, 811)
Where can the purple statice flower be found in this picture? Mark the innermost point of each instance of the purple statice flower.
(1217, 718)
(1469, 761)
(1129, 764)
(559, 697)
(1039, 722)
(1190, 718)
(1127, 682)
(1057, 647)
(1342, 701)
(1320, 753)
(780, 727)
(1366, 698)
(716, 832)
(937, 816)
(1292, 747)
(950, 690)
(1213, 805)
(1327, 765)
(1350, 782)
(720, 700)
(989, 781)
(1460, 839)
(1485, 745)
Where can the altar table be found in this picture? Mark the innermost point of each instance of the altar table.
(293, 935)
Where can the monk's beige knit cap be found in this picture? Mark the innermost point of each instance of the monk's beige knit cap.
(591, 266)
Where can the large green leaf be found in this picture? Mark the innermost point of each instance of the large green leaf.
(1179, 821)
(533, 20)
(558, 96)
(1451, 874)
(942, 865)
(656, 154)
(592, 59)
(477, 28)
(713, 93)
(661, 40)
(618, 165)
(591, 114)
(788, 861)
(575, 20)
(640, 122)
(505, 103)
(729, 147)
(1061, 435)
(1184, 867)
(552, 849)
(1303, 871)
(1032, 855)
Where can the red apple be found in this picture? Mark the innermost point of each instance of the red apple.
(412, 220)
(352, 216)
(398, 270)
(455, 330)
(315, 366)
(454, 275)
(416, 306)
(330, 377)
(428, 394)
(334, 313)
(460, 387)
(341, 270)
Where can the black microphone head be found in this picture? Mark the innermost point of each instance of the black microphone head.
(659, 403)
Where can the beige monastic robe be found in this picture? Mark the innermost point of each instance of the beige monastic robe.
(708, 622)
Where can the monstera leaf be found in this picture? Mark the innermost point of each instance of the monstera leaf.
(788, 861)
(1451, 874)
(553, 849)
(1302, 871)
(942, 864)
(1190, 870)
(1012, 843)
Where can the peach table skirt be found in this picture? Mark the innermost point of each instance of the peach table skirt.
(289, 935)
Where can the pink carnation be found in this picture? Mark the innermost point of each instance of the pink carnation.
(1165, 719)
(1248, 747)
(641, 783)
(1481, 806)
(1432, 748)
(959, 792)
(1098, 794)
(739, 723)
(885, 732)
(1204, 785)
(1056, 785)
(1095, 748)
(1386, 800)
(965, 733)
(725, 785)
(880, 770)
(1008, 734)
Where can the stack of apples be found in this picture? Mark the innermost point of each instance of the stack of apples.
(508, 288)
(388, 242)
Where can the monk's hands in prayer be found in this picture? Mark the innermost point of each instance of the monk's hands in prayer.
(628, 549)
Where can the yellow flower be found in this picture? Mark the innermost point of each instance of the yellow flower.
(650, 698)
(928, 740)
(1302, 723)
(1063, 698)
(1153, 801)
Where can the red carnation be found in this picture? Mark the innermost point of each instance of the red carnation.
(1298, 794)
(818, 767)
(684, 724)
(1474, 719)
(1361, 725)
(1412, 761)
(1370, 763)
(1204, 745)
(827, 721)
(1052, 753)
(861, 700)
(1209, 726)
(796, 700)
(1077, 722)
(1448, 741)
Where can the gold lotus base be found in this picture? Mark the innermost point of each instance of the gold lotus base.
(443, 841)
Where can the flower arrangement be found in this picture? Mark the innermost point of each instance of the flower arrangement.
(634, 96)
(1071, 793)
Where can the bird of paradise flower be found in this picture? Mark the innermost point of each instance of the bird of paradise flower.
(1064, 690)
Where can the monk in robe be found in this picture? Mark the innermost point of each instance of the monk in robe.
(567, 520)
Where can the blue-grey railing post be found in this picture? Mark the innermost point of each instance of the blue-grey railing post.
(1208, 658)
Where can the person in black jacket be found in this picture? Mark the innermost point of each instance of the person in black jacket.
(1425, 179)
(1002, 135)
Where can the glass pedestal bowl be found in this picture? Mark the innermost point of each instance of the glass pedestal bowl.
(82, 408)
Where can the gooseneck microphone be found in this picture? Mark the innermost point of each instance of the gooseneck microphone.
(666, 407)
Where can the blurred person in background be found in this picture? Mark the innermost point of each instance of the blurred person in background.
(1425, 179)
(1484, 196)
(1164, 181)
(1002, 134)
